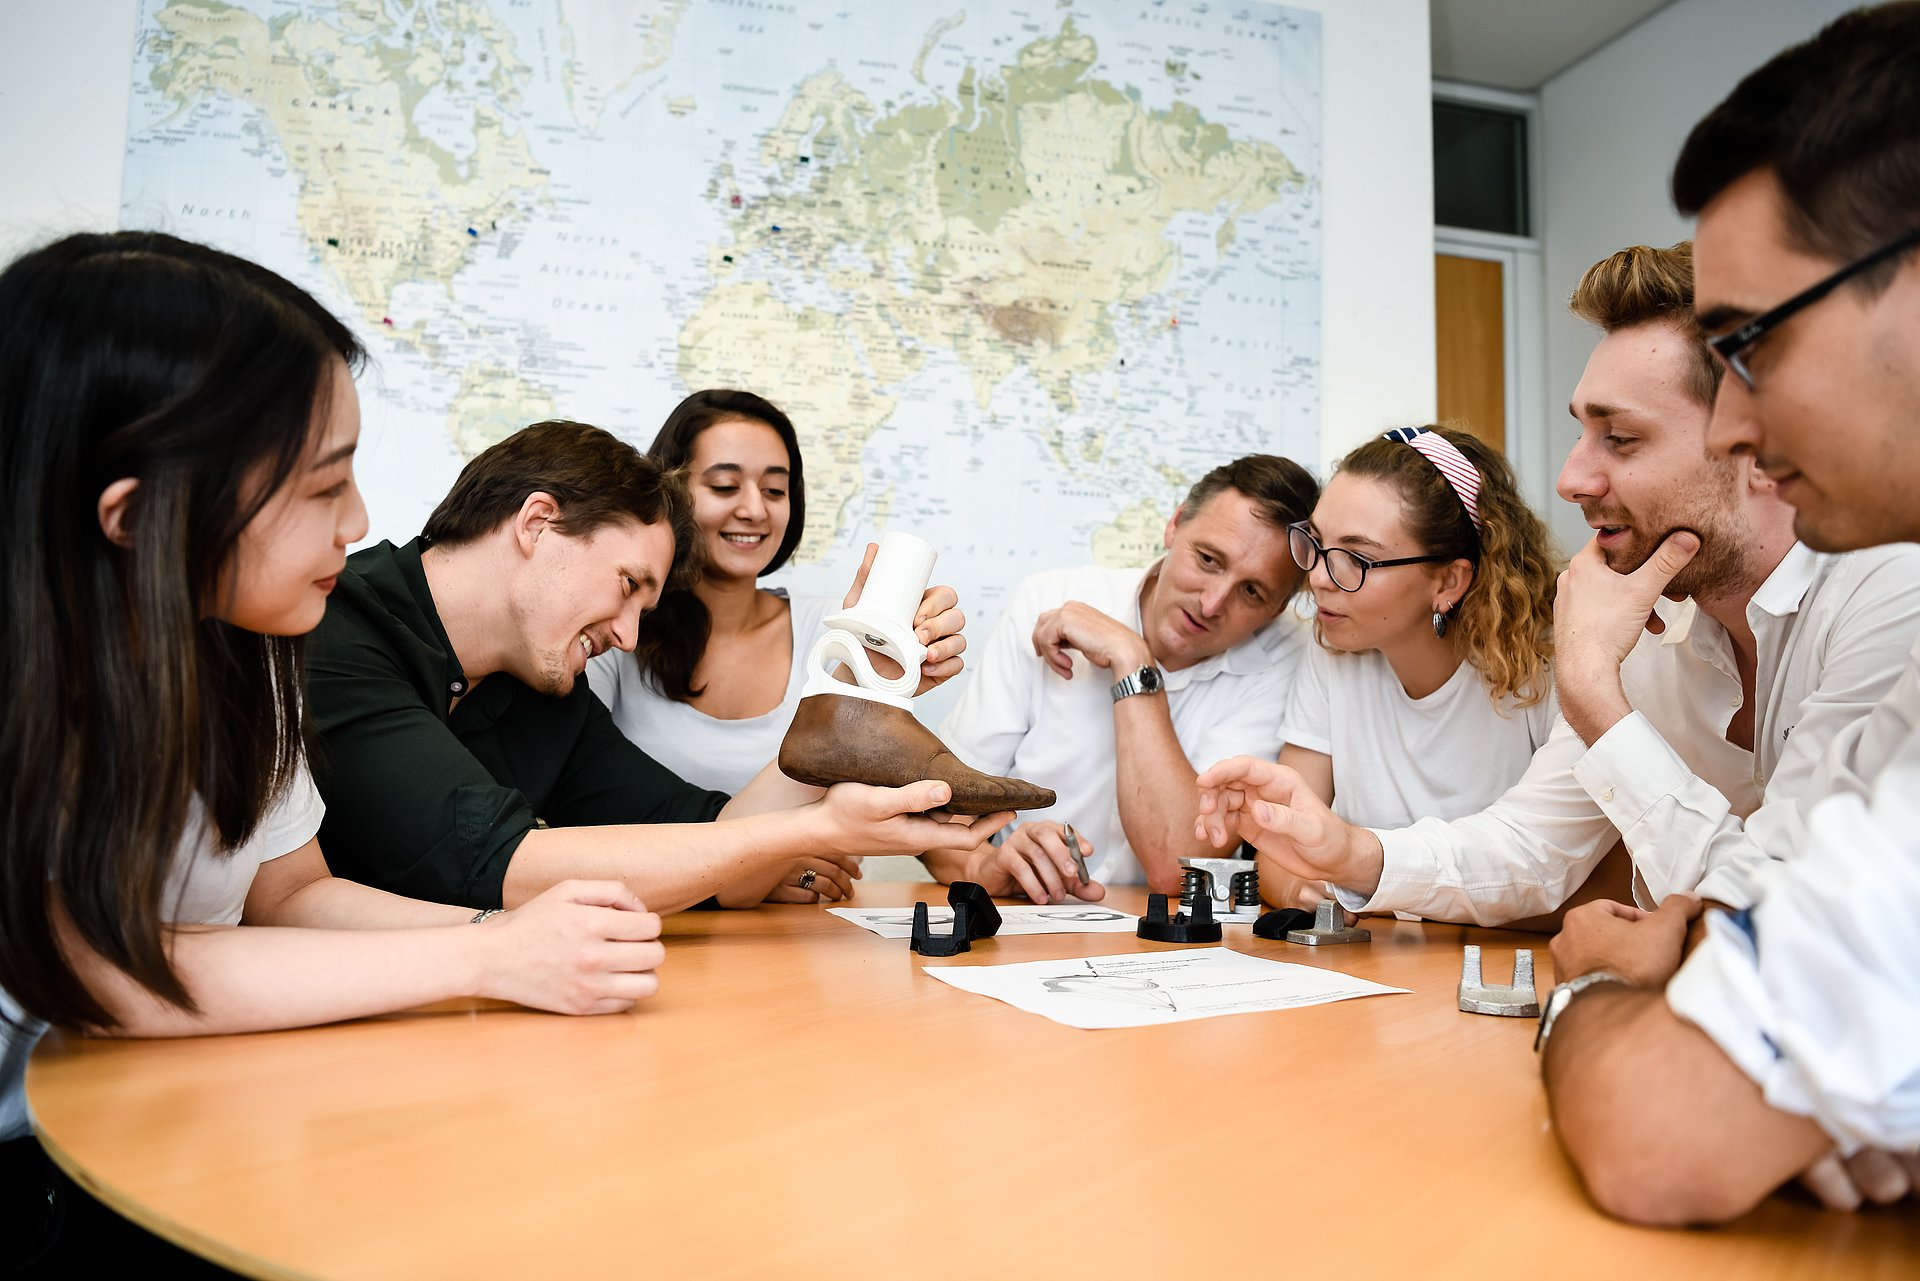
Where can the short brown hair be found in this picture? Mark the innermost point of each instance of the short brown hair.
(1644, 285)
(595, 477)
(1837, 119)
(1282, 490)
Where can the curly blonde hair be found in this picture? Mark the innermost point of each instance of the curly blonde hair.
(1505, 618)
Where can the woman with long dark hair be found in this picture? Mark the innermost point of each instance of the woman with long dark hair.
(712, 685)
(177, 429)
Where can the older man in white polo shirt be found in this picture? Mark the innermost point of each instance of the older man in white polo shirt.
(1110, 686)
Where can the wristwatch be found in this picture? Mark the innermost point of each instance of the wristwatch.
(1562, 996)
(1145, 681)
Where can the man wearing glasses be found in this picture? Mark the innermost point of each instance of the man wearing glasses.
(1791, 1035)
(1703, 675)
(1112, 684)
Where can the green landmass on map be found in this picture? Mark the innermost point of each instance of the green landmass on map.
(1010, 222)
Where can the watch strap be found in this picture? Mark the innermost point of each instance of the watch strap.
(1144, 680)
(1562, 996)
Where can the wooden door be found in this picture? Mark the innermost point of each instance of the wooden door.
(1470, 330)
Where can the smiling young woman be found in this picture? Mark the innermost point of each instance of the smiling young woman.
(714, 680)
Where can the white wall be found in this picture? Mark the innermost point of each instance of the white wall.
(1612, 125)
(65, 84)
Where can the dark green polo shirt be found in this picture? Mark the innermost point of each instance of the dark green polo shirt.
(433, 805)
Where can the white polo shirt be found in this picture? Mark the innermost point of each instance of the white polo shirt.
(1017, 717)
(1815, 991)
(1697, 812)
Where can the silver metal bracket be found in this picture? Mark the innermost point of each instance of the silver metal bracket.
(1478, 997)
(1328, 928)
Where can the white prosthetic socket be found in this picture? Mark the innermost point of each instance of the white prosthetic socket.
(882, 621)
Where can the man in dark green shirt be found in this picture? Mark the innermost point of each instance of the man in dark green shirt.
(463, 757)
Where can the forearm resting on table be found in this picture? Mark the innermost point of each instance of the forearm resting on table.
(260, 978)
(667, 866)
(1662, 1126)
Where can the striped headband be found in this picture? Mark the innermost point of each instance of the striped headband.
(1454, 468)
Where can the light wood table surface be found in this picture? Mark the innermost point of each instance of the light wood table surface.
(800, 1101)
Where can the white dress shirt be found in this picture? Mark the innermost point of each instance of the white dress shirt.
(1815, 991)
(1832, 633)
(1017, 717)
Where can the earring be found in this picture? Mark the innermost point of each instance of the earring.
(1439, 622)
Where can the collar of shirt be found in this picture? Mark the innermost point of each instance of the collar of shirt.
(1770, 612)
(400, 580)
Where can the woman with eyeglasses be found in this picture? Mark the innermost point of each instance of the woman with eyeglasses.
(1433, 585)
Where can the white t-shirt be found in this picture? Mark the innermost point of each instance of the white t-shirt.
(722, 756)
(204, 887)
(1017, 717)
(1397, 759)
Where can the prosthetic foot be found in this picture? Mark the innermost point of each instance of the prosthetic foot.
(865, 732)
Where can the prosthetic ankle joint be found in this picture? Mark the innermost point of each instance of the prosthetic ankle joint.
(882, 622)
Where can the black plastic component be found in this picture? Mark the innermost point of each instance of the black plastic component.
(927, 943)
(1193, 926)
(1244, 890)
(974, 917)
(983, 918)
(1195, 883)
(1275, 924)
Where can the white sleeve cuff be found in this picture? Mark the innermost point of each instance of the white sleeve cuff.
(1629, 769)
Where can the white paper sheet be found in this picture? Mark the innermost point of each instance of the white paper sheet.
(1146, 988)
(1063, 918)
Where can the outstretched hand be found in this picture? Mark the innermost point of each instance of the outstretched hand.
(867, 820)
(1273, 809)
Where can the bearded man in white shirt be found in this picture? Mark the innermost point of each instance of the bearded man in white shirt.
(1791, 1035)
(1699, 730)
(1109, 683)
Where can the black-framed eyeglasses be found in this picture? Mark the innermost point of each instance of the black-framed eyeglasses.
(1348, 570)
(1732, 346)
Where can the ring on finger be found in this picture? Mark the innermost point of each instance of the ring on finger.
(807, 878)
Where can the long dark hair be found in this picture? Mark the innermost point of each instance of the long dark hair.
(675, 634)
(198, 374)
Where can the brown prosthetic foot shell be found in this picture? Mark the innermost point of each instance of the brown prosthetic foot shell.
(838, 738)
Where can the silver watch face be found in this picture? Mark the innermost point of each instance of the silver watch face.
(1148, 679)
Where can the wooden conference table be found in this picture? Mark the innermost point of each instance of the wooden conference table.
(801, 1101)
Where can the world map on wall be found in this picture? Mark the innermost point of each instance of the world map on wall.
(1020, 273)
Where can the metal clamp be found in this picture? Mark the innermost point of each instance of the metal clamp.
(1328, 927)
(1518, 1001)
